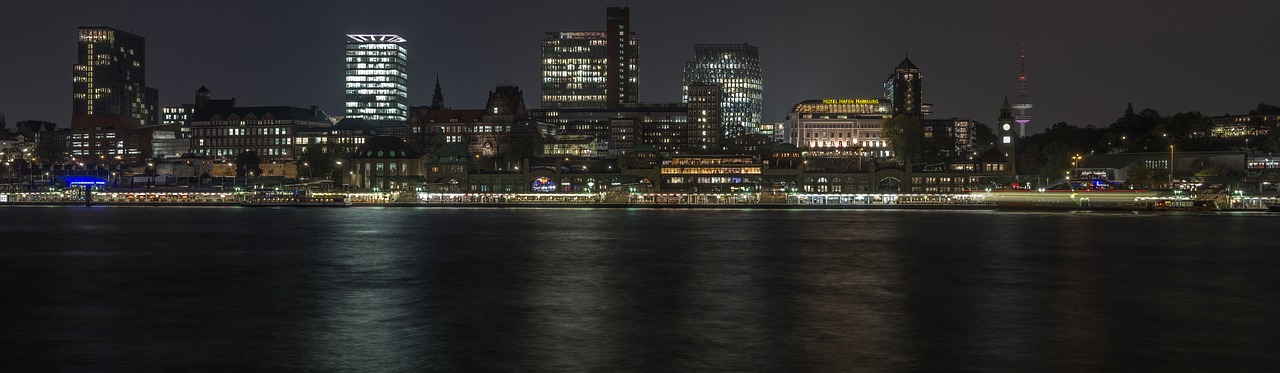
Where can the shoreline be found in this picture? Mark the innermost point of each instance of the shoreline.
(617, 206)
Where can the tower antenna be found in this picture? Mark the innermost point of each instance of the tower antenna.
(1024, 93)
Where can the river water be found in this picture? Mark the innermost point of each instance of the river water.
(524, 289)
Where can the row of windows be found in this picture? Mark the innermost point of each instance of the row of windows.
(710, 170)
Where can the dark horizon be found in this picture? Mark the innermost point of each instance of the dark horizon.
(1078, 57)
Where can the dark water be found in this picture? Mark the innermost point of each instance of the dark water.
(400, 289)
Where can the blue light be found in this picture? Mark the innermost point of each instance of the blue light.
(84, 180)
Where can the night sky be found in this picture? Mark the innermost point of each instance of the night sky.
(1086, 59)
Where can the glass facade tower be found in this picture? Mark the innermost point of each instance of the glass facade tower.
(736, 69)
(376, 81)
(110, 76)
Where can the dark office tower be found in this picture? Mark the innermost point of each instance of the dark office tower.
(736, 69)
(902, 89)
(705, 117)
(592, 69)
(377, 78)
(110, 76)
(622, 86)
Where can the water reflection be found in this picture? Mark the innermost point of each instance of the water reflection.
(639, 290)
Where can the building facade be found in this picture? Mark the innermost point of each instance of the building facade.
(592, 69)
(843, 126)
(377, 78)
(1243, 125)
(275, 133)
(661, 124)
(110, 77)
(706, 116)
(736, 69)
(954, 137)
(904, 89)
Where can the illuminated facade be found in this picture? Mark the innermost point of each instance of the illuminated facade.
(376, 78)
(736, 69)
(954, 137)
(711, 174)
(903, 89)
(275, 133)
(110, 78)
(839, 125)
(705, 117)
(661, 124)
(1243, 125)
(592, 69)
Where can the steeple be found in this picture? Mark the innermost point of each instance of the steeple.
(437, 98)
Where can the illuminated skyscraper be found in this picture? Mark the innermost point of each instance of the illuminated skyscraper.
(110, 76)
(592, 69)
(736, 69)
(377, 78)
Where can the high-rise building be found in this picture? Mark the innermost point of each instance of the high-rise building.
(622, 58)
(903, 89)
(705, 117)
(592, 69)
(109, 77)
(736, 69)
(377, 78)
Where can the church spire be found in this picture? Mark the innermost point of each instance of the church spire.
(437, 98)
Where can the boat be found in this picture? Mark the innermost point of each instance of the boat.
(294, 199)
(1186, 205)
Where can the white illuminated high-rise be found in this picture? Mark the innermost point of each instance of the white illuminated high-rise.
(377, 78)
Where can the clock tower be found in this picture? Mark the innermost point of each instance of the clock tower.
(1007, 134)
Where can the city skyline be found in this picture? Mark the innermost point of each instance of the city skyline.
(971, 65)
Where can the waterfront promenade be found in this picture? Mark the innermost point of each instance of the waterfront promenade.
(1015, 200)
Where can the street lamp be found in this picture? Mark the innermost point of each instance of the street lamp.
(1170, 166)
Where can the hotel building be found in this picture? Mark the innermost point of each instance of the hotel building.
(844, 126)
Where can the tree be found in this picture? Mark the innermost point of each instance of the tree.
(321, 159)
(1264, 109)
(248, 163)
(905, 134)
(1141, 176)
(985, 137)
(51, 149)
(1057, 160)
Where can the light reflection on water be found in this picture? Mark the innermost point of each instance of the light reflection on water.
(640, 290)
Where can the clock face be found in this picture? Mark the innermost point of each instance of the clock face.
(1006, 126)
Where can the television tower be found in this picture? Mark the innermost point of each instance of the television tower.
(1023, 93)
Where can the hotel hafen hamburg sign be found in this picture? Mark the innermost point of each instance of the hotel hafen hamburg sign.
(846, 101)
